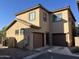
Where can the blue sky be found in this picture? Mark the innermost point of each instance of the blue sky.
(8, 8)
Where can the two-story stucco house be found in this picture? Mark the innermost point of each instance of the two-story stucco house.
(37, 27)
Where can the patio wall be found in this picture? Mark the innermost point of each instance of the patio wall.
(77, 41)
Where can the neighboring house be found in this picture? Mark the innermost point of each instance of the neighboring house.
(37, 27)
(77, 30)
(78, 3)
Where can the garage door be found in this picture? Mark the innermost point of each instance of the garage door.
(38, 40)
(59, 39)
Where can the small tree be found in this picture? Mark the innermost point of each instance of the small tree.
(2, 34)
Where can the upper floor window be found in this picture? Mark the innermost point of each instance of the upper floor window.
(57, 17)
(44, 16)
(16, 32)
(32, 16)
(53, 18)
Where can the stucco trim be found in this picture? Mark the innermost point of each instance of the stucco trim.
(29, 24)
(59, 33)
(18, 20)
(65, 8)
(61, 9)
(13, 22)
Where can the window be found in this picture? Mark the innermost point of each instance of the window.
(58, 17)
(44, 16)
(16, 32)
(53, 18)
(32, 16)
(21, 31)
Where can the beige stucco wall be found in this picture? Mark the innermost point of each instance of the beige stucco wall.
(61, 27)
(64, 26)
(38, 20)
(31, 41)
(11, 31)
(77, 41)
(71, 27)
(43, 24)
(25, 16)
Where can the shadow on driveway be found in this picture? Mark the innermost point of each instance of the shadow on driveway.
(14, 53)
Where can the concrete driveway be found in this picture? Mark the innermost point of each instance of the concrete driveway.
(43, 53)
(55, 52)
(54, 56)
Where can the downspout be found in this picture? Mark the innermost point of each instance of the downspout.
(50, 31)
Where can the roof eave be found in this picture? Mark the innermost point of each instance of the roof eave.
(68, 7)
(61, 9)
(38, 6)
(10, 24)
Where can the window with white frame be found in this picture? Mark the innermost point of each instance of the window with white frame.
(32, 16)
(59, 17)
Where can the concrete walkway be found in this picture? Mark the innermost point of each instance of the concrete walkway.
(1, 46)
